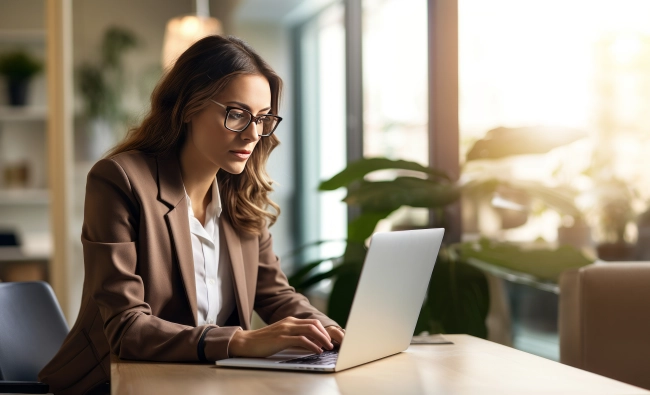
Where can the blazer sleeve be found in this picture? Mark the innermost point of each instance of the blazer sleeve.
(110, 248)
(275, 299)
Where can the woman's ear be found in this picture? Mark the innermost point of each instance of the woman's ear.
(188, 118)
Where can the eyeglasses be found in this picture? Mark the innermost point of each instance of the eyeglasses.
(237, 120)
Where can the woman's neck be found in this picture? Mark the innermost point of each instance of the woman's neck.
(198, 175)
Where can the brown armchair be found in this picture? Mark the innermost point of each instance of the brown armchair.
(604, 320)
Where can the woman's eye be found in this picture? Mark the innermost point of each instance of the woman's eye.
(236, 116)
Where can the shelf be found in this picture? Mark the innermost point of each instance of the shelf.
(34, 246)
(24, 196)
(26, 113)
(17, 254)
(23, 36)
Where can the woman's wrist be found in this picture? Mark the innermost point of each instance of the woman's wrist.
(217, 342)
(201, 345)
(236, 344)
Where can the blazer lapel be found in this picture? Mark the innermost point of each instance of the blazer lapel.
(239, 275)
(172, 193)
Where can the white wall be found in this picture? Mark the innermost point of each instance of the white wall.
(22, 14)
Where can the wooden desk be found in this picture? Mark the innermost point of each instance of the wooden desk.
(469, 366)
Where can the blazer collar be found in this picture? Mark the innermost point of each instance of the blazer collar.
(172, 193)
(170, 180)
(234, 246)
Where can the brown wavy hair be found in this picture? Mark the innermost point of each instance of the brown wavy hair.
(201, 72)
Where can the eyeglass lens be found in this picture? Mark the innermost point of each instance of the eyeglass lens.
(238, 120)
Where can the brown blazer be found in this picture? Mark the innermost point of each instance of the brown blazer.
(139, 295)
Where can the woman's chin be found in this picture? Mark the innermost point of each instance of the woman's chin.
(234, 168)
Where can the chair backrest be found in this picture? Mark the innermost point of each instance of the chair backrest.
(605, 320)
(32, 329)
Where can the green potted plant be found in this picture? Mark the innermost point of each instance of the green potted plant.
(492, 186)
(101, 86)
(615, 212)
(18, 68)
(458, 296)
(465, 300)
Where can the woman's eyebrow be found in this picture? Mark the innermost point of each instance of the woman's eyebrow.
(245, 106)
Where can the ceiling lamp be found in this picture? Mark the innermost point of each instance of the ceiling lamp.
(183, 31)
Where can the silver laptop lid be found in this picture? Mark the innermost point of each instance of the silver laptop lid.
(389, 295)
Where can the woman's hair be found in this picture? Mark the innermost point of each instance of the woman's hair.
(201, 72)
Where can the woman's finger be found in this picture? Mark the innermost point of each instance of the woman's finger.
(303, 342)
(336, 334)
(312, 332)
(320, 327)
(317, 324)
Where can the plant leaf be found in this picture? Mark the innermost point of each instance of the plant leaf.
(357, 170)
(558, 198)
(402, 191)
(116, 41)
(542, 264)
(458, 297)
(362, 227)
(345, 285)
(316, 278)
(480, 187)
(296, 280)
(307, 246)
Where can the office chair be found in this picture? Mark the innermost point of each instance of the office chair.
(32, 329)
(605, 320)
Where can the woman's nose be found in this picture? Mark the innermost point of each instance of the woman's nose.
(250, 133)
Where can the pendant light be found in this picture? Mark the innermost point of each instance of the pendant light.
(183, 31)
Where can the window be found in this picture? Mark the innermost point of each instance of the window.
(395, 94)
(554, 95)
(395, 90)
(573, 75)
(321, 130)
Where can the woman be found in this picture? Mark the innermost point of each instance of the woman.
(177, 252)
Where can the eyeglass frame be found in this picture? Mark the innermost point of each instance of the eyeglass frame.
(253, 118)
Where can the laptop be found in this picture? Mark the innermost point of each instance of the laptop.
(385, 309)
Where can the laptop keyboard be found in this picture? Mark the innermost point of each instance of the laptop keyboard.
(325, 358)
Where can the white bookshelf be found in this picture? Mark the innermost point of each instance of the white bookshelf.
(25, 113)
(25, 209)
(24, 196)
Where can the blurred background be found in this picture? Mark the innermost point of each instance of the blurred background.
(535, 113)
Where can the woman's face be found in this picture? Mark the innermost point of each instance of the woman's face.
(210, 139)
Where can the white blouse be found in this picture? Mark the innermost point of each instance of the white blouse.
(214, 288)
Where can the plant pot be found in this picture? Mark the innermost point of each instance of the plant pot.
(101, 137)
(18, 92)
(577, 236)
(643, 243)
(616, 251)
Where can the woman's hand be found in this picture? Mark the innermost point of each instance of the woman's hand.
(289, 332)
(336, 334)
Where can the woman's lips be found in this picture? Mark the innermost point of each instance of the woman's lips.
(241, 154)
